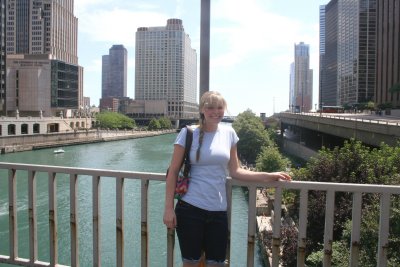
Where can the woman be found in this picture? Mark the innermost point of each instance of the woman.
(200, 217)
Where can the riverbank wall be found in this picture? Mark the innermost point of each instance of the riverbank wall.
(10, 144)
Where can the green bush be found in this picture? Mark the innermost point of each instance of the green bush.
(113, 120)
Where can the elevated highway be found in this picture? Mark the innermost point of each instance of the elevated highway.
(325, 129)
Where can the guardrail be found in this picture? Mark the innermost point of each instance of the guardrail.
(120, 176)
(351, 117)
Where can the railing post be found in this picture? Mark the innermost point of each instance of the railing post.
(53, 219)
(355, 230)
(328, 234)
(302, 238)
(144, 226)
(120, 221)
(73, 219)
(12, 213)
(96, 186)
(383, 242)
(33, 255)
(170, 247)
(229, 214)
(251, 232)
(276, 235)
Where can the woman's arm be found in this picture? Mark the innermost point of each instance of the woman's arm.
(173, 172)
(235, 171)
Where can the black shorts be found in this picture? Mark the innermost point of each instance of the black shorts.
(201, 230)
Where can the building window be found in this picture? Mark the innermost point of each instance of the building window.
(24, 128)
(11, 129)
(36, 128)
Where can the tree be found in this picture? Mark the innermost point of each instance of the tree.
(252, 135)
(353, 163)
(165, 123)
(370, 106)
(271, 160)
(113, 120)
(154, 125)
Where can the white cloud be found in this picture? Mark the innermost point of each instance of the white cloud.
(118, 25)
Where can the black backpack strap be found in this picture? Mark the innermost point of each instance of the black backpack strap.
(188, 145)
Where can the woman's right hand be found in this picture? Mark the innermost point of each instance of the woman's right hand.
(169, 218)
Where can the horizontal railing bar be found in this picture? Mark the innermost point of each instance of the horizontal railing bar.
(319, 186)
(83, 171)
(324, 186)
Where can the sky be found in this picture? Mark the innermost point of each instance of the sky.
(251, 44)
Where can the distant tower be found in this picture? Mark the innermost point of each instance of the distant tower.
(2, 57)
(302, 78)
(292, 99)
(322, 65)
(114, 72)
(42, 61)
(166, 68)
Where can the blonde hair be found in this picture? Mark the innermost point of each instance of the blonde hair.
(208, 99)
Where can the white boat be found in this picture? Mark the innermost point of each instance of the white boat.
(58, 151)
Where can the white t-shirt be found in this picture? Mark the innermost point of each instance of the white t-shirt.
(207, 188)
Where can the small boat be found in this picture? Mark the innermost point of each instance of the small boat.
(58, 151)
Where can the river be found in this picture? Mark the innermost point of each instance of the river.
(151, 154)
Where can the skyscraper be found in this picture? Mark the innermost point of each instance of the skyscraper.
(328, 83)
(43, 27)
(3, 57)
(388, 53)
(42, 60)
(114, 72)
(350, 54)
(303, 77)
(166, 68)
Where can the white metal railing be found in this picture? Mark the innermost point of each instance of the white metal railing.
(361, 117)
(120, 176)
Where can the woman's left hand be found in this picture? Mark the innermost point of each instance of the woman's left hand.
(280, 176)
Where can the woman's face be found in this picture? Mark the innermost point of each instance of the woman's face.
(213, 113)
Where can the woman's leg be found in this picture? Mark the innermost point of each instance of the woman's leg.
(190, 231)
(216, 238)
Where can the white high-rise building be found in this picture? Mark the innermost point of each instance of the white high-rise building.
(166, 68)
(303, 76)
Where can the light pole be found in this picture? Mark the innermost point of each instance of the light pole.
(204, 47)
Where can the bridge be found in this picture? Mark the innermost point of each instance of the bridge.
(74, 175)
(315, 130)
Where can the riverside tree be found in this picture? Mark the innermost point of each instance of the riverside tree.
(252, 134)
(114, 120)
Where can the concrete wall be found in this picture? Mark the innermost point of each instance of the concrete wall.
(298, 150)
(44, 125)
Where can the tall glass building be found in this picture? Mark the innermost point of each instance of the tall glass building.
(2, 57)
(114, 72)
(350, 51)
(322, 71)
(329, 94)
(166, 68)
(303, 77)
